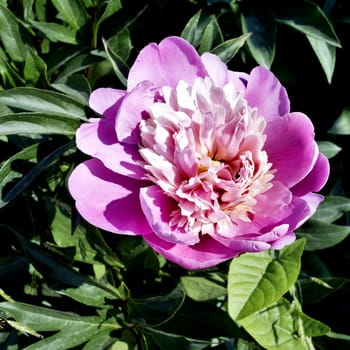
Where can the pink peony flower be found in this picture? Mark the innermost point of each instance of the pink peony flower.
(203, 162)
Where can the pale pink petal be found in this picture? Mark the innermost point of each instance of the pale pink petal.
(158, 208)
(205, 254)
(132, 110)
(108, 200)
(174, 59)
(280, 243)
(104, 98)
(98, 139)
(265, 92)
(291, 147)
(217, 70)
(315, 180)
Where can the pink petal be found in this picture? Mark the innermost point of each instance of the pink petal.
(98, 139)
(158, 208)
(132, 110)
(283, 241)
(104, 98)
(107, 200)
(205, 254)
(174, 59)
(265, 92)
(291, 147)
(316, 179)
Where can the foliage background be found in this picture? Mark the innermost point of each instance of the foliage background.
(67, 285)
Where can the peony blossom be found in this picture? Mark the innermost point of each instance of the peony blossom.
(205, 163)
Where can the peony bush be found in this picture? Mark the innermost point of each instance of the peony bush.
(203, 162)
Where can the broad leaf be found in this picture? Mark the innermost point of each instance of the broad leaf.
(331, 209)
(257, 280)
(321, 235)
(283, 326)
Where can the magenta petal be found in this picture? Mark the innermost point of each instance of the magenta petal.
(158, 209)
(291, 147)
(174, 59)
(107, 200)
(315, 180)
(132, 110)
(265, 92)
(98, 139)
(205, 254)
(102, 99)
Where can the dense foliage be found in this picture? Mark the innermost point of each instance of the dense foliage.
(64, 284)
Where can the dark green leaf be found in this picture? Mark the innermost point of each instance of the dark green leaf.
(229, 48)
(321, 235)
(34, 66)
(43, 101)
(342, 125)
(10, 35)
(37, 123)
(331, 209)
(212, 36)
(121, 44)
(111, 8)
(257, 280)
(261, 42)
(310, 20)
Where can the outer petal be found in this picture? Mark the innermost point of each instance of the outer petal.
(205, 254)
(265, 92)
(174, 59)
(132, 110)
(104, 98)
(108, 200)
(316, 179)
(291, 147)
(158, 208)
(98, 139)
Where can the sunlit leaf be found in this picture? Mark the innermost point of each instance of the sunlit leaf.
(342, 125)
(256, 280)
(283, 326)
(329, 149)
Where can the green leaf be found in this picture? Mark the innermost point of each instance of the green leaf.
(121, 44)
(326, 54)
(342, 125)
(119, 66)
(72, 12)
(195, 27)
(229, 48)
(71, 283)
(34, 66)
(159, 309)
(321, 235)
(37, 123)
(10, 35)
(261, 42)
(283, 326)
(8, 173)
(331, 209)
(309, 19)
(56, 32)
(202, 289)
(212, 36)
(43, 101)
(111, 8)
(73, 329)
(329, 149)
(257, 280)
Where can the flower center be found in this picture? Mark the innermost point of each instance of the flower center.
(203, 145)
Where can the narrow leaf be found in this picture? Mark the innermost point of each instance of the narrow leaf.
(342, 125)
(326, 54)
(329, 149)
(256, 280)
(212, 36)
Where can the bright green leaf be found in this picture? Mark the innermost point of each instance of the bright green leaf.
(326, 54)
(43, 101)
(329, 149)
(37, 123)
(261, 42)
(342, 125)
(202, 289)
(229, 48)
(257, 280)
(283, 326)
(321, 235)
